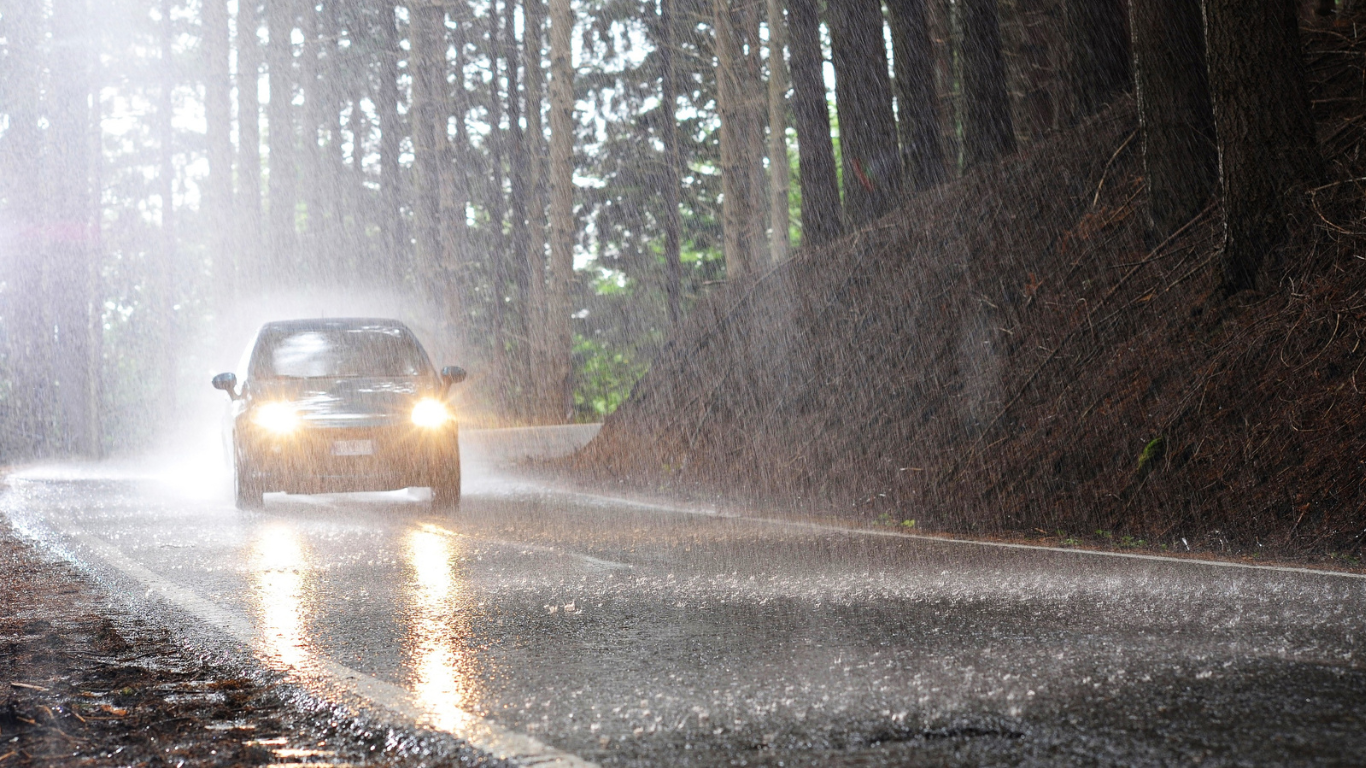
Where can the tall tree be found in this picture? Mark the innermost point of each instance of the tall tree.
(248, 206)
(1266, 133)
(28, 321)
(390, 143)
(987, 129)
(428, 122)
(72, 285)
(95, 248)
(496, 203)
(1098, 62)
(917, 105)
(218, 147)
(313, 121)
(559, 332)
(455, 231)
(455, 158)
(543, 407)
(671, 178)
(1180, 157)
(166, 273)
(779, 241)
(739, 101)
(331, 102)
(869, 153)
(281, 136)
(811, 112)
(519, 162)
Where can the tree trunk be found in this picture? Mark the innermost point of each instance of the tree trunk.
(218, 145)
(810, 108)
(427, 121)
(987, 130)
(28, 338)
(1098, 63)
(917, 105)
(779, 240)
(164, 279)
(395, 238)
(333, 89)
(456, 229)
(29, 333)
(739, 94)
(314, 117)
(281, 139)
(1180, 157)
(500, 254)
(248, 209)
(356, 197)
(1266, 133)
(519, 166)
(69, 255)
(671, 178)
(545, 406)
(869, 155)
(558, 308)
(94, 391)
(944, 40)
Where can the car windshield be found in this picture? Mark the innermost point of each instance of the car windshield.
(339, 353)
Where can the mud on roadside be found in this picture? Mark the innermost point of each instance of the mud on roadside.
(84, 683)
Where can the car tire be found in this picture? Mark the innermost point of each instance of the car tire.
(446, 486)
(248, 491)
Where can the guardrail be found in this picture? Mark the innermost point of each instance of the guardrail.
(524, 443)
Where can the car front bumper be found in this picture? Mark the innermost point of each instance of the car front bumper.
(326, 459)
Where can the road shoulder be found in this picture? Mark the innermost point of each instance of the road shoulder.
(86, 683)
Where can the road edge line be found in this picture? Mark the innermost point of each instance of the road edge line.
(676, 509)
(481, 734)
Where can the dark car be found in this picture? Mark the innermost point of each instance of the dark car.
(338, 405)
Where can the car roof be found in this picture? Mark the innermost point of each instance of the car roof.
(334, 324)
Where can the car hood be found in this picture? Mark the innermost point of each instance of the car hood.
(358, 402)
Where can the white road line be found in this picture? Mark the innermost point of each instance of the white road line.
(610, 565)
(683, 510)
(482, 734)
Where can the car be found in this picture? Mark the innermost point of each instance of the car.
(339, 405)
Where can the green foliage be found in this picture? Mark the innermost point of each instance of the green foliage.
(605, 376)
(1151, 453)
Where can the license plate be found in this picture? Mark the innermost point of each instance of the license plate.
(353, 447)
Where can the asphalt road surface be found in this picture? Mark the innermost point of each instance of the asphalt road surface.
(553, 628)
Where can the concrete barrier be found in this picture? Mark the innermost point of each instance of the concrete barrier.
(523, 443)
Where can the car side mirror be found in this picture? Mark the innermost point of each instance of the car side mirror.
(226, 382)
(451, 375)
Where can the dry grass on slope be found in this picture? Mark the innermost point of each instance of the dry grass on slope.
(1005, 354)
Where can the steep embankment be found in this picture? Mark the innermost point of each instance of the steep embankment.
(1005, 354)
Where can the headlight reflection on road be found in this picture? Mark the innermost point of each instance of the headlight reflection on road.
(278, 572)
(444, 671)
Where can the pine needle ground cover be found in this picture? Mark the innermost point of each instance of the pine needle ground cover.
(1007, 355)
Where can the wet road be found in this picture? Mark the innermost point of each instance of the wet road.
(553, 626)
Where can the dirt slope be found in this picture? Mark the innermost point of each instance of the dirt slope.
(1006, 354)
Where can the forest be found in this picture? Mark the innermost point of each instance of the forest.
(645, 209)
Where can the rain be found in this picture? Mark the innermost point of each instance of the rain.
(682, 382)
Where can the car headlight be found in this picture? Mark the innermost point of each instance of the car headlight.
(280, 418)
(430, 413)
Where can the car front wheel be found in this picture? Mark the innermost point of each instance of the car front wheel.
(446, 485)
(248, 490)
